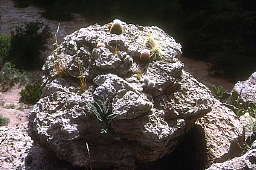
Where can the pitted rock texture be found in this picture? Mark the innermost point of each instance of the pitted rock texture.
(150, 104)
(14, 146)
(245, 162)
(247, 89)
(19, 153)
(224, 134)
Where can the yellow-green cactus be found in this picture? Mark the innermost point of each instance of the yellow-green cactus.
(117, 27)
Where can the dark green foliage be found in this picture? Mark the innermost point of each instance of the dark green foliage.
(103, 112)
(234, 102)
(241, 107)
(31, 93)
(27, 43)
(9, 76)
(4, 47)
(3, 121)
(220, 93)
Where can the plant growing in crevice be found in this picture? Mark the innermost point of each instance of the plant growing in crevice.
(114, 47)
(138, 74)
(103, 111)
(155, 49)
(82, 78)
(220, 93)
(58, 65)
(115, 50)
(234, 101)
(241, 107)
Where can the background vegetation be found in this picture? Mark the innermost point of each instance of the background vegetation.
(31, 93)
(3, 121)
(26, 44)
(5, 42)
(9, 76)
(21, 53)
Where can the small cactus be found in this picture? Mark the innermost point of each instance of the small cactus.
(116, 27)
(155, 49)
(100, 44)
(145, 55)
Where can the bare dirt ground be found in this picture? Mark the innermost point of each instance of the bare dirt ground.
(199, 70)
(11, 108)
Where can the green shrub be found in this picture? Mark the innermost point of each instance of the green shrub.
(9, 76)
(31, 93)
(241, 107)
(3, 121)
(219, 92)
(27, 43)
(234, 102)
(4, 47)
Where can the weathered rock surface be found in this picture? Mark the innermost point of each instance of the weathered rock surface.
(248, 123)
(224, 133)
(247, 89)
(19, 153)
(244, 93)
(143, 107)
(245, 162)
(14, 146)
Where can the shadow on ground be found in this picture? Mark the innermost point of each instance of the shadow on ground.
(41, 159)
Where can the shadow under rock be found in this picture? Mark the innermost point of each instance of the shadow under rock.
(190, 154)
(41, 159)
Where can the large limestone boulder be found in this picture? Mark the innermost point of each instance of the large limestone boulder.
(117, 98)
(14, 146)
